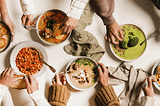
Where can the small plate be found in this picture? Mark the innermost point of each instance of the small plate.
(123, 54)
(28, 44)
(70, 82)
(153, 73)
(7, 37)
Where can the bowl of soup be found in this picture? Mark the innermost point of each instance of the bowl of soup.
(49, 25)
(82, 73)
(130, 49)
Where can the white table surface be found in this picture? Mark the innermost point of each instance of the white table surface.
(139, 12)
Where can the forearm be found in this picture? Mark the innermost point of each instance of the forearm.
(3, 8)
(28, 7)
(105, 9)
(3, 90)
(39, 99)
(76, 8)
(147, 101)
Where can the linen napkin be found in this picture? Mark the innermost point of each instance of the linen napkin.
(133, 78)
(84, 43)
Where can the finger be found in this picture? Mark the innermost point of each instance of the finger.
(64, 81)
(26, 80)
(4, 71)
(109, 39)
(57, 79)
(113, 39)
(103, 67)
(53, 81)
(150, 82)
(12, 71)
(121, 33)
(65, 30)
(99, 69)
(117, 36)
(23, 19)
(31, 78)
(63, 22)
(69, 30)
(28, 23)
(8, 71)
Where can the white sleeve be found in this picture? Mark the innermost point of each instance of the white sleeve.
(38, 99)
(3, 90)
(28, 7)
(76, 8)
(147, 101)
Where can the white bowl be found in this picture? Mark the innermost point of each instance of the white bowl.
(28, 44)
(153, 73)
(110, 45)
(70, 82)
(38, 31)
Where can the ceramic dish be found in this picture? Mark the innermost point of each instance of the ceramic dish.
(49, 23)
(82, 73)
(154, 73)
(131, 53)
(29, 44)
(5, 37)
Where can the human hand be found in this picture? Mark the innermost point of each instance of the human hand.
(32, 84)
(10, 25)
(113, 31)
(7, 77)
(69, 25)
(59, 79)
(148, 87)
(27, 21)
(103, 74)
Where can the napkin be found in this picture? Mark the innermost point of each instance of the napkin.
(133, 78)
(84, 43)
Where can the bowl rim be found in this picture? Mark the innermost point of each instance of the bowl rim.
(152, 73)
(110, 45)
(10, 36)
(68, 79)
(23, 44)
(38, 31)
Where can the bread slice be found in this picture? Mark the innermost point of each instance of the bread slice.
(2, 42)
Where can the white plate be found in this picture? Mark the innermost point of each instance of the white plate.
(68, 79)
(153, 73)
(110, 45)
(28, 44)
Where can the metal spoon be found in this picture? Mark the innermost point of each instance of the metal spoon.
(33, 28)
(50, 67)
(153, 34)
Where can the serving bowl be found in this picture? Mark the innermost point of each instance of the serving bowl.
(80, 76)
(29, 44)
(5, 36)
(153, 73)
(131, 53)
(49, 23)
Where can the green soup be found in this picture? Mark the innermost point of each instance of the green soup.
(132, 52)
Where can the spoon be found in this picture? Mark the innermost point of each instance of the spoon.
(50, 67)
(33, 28)
(153, 34)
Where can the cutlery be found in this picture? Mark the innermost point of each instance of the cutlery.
(33, 28)
(50, 67)
(153, 34)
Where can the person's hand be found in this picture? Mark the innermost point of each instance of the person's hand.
(59, 79)
(114, 33)
(148, 87)
(69, 25)
(32, 84)
(7, 77)
(103, 74)
(10, 25)
(27, 21)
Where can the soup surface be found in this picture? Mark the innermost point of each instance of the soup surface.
(49, 24)
(131, 52)
(28, 61)
(83, 73)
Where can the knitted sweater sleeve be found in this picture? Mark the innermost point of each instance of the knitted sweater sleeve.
(105, 9)
(107, 97)
(147, 101)
(58, 95)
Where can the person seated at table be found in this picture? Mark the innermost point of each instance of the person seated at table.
(74, 13)
(107, 97)
(5, 17)
(105, 9)
(58, 92)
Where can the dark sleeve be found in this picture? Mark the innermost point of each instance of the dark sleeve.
(105, 9)
(156, 3)
(107, 97)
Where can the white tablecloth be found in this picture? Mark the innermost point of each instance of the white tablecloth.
(139, 12)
